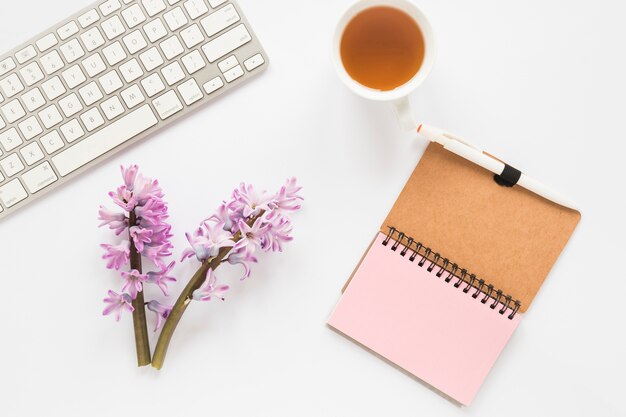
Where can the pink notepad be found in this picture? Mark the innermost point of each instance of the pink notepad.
(421, 323)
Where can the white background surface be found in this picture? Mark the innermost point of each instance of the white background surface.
(538, 83)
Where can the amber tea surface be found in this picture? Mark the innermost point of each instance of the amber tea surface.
(382, 48)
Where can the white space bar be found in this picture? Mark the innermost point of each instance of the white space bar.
(104, 140)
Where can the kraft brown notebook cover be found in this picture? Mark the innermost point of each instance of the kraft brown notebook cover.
(507, 236)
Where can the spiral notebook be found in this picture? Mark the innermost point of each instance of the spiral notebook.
(449, 274)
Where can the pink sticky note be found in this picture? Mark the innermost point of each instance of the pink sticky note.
(424, 325)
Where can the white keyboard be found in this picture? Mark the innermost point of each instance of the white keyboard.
(109, 76)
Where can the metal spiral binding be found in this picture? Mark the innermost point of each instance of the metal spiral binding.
(462, 277)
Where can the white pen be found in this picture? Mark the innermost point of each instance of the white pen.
(467, 150)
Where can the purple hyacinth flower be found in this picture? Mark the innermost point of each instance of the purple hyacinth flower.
(244, 258)
(252, 236)
(207, 241)
(210, 289)
(250, 201)
(117, 303)
(129, 175)
(287, 198)
(161, 278)
(140, 236)
(117, 222)
(162, 312)
(116, 255)
(278, 233)
(133, 282)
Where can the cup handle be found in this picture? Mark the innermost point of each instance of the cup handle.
(405, 114)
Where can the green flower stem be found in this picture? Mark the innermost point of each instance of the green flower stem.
(177, 313)
(185, 299)
(142, 343)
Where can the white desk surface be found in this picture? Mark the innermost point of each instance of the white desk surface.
(540, 84)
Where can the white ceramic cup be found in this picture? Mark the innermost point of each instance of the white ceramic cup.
(398, 96)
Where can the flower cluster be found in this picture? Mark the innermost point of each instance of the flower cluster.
(143, 222)
(252, 221)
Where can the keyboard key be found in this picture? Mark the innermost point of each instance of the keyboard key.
(220, 20)
(228, 63)
(31, 153)
(73, 76)
(113, 27)
(26, 54)
(88, 18)
(72, 131)
(70, 105)
(190, 92)
(104, 140)
(90, 93)
(254, 62)
(112, 108)
(226, 43)
(2, 126)
(30, 128)
(155, 30)
(114, 53)
(6, 65)
(53, 88)
(232, 74)
(135, 42)
(196, 8)
(167, 105)
(94, 65)
(33, 99)
(50, 116)
(172, 2)
(192, 36)
(67, 30)
(153, 6)
(151, 59)
(213, 85)
(72, 51)
(131, 70)
(109, 7)
(46, 42)
(110, 82)
(175, 19)
(11, 165)
(133, 96)
(52, 142)
(12, 193)
(215, 3)
(133, 16)
(92, 39)
(10, 139)
(171, 47)
(31, 73)
(11, 85)
(173, 73)
(193, 62)
(1, 180)
(92, 119)
(13, 111)
(39, 177)
(152, 85)
(52, 62)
